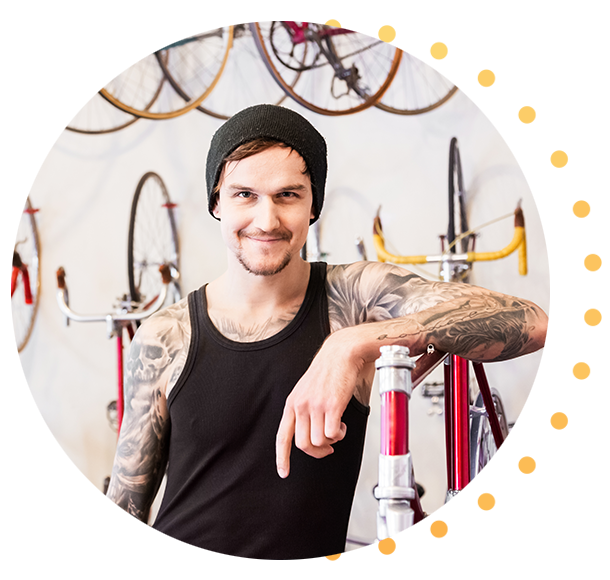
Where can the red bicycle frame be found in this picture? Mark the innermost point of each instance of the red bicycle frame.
(27, 290)
(457, 423)
(120, 400)
(298, 31)
(396, 487)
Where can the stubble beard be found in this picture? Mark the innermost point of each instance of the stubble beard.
(262, 270)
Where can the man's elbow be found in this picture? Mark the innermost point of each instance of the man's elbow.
(538, 334)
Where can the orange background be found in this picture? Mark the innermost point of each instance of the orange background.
(539, 82)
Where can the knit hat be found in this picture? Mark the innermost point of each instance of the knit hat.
(272, 122)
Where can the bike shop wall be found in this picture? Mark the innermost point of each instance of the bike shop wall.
(84, 191)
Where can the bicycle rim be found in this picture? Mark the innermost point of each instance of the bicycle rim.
(28, 246)
(373, 65)
(152, 239)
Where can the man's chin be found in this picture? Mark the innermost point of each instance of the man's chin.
(264, 267)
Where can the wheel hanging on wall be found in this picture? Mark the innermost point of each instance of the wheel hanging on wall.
(153, 239)
(131, 89)
(244, 81)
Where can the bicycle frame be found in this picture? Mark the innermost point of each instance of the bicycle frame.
(299, 32)
(321, 37)
(399, 505)
(20, 268)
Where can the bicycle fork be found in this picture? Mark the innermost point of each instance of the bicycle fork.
(457, 424)
(396, 487)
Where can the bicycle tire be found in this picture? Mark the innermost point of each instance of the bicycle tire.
(482, 443)
(24, 315)
(307, 88)
(458, 220)
(176, 106)
(151, 244)
(229, 96)
(417, 88)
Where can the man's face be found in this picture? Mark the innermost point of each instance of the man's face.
(264, 206)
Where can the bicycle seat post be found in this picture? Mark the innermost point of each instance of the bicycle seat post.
(396, 487)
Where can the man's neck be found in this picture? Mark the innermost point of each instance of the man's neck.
(250, 295)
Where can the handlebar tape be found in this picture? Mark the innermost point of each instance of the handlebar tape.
(166, 274)
(61, 278)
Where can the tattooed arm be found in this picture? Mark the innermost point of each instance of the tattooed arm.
(156, 359)
(406, 309)
(402, 308)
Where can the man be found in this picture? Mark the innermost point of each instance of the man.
(275, 352)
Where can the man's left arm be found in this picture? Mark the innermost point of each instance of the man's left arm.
(400, 308)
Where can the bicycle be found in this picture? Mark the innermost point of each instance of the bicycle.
(474, 430)
(353, 69)
(25, 276)
(152, 247)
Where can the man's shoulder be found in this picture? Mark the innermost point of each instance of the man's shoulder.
(364, 292)
(173, 319)
(365, 275)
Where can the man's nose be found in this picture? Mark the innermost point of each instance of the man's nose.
(267, 216)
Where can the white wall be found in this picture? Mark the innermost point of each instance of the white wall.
(84, 192)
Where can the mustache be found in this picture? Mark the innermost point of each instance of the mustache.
(263, 235)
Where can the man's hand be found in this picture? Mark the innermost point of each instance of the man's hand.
(314, 408)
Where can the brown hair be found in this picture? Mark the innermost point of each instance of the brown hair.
(249, 149)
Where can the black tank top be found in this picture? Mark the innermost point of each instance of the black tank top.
(223, 492)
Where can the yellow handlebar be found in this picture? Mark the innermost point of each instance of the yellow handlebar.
(518, 243)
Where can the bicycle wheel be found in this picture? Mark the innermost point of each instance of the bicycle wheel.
(25, 280)
(417, 88)
(243, 83)
(482, 444)
(458, 222)
(98, 116)
(153, 239)
(204, 66)
(358, 73)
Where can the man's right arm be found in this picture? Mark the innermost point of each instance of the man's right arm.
(156, 358)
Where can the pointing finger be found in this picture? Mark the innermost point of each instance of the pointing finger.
(283, 442)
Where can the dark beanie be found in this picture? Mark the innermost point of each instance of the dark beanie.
(272, 122)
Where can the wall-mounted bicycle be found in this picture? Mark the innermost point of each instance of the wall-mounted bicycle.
(152, 247)
(474, 429)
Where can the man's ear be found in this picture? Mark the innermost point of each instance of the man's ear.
(216, 207)
(313, 213)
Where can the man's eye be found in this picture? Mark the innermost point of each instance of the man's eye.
(245, 194)
(288, 194)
